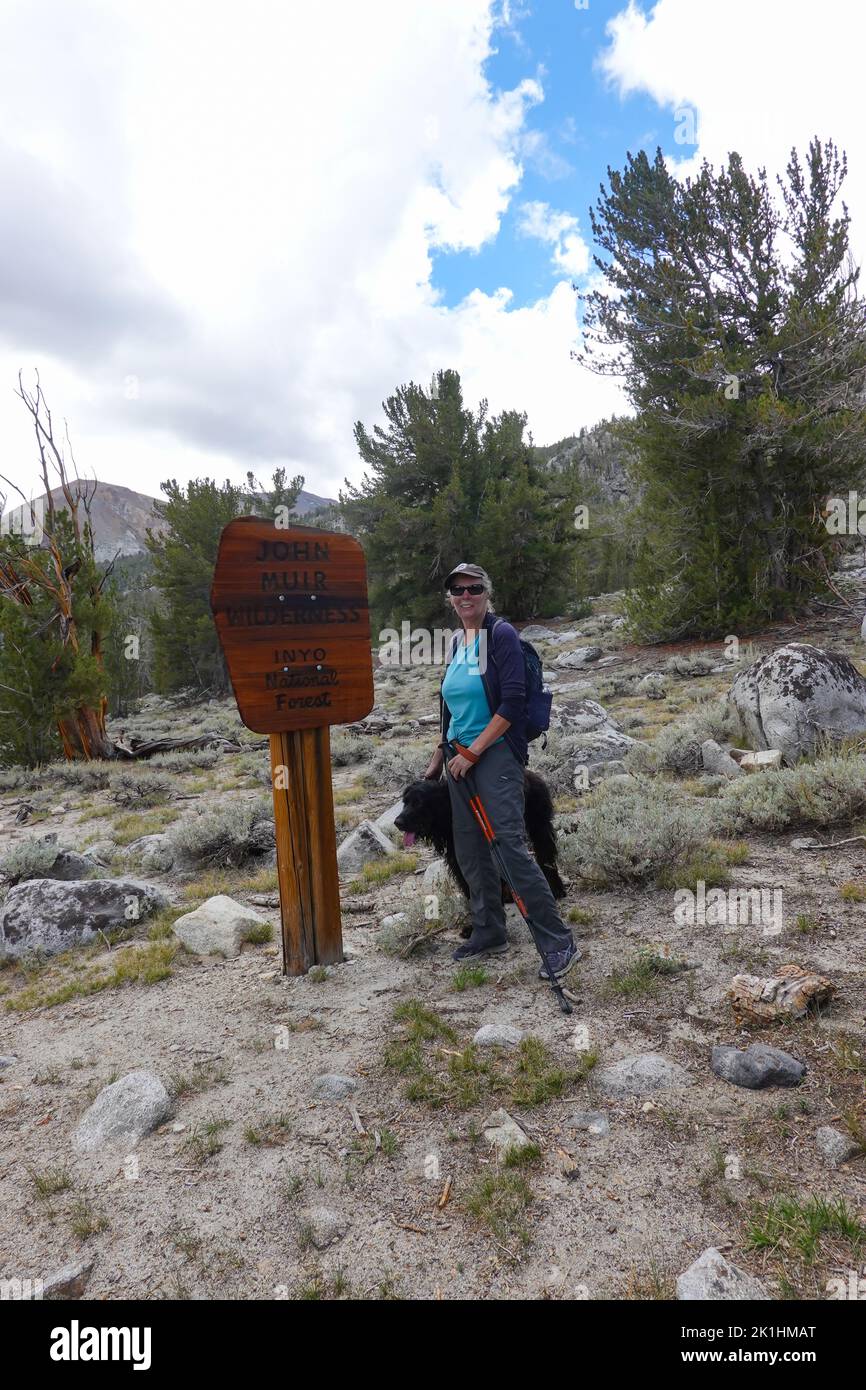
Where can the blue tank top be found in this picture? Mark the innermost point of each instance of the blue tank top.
(463, 693)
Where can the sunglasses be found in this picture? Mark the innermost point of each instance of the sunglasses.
(458, 589)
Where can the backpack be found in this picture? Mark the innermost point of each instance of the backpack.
(539, 697)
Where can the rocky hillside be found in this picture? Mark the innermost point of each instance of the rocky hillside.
(398, 1126)
(599, 457)
(121, 517)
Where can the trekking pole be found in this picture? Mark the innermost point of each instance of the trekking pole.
(477, 808)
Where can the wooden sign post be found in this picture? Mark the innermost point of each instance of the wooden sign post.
(290, 607)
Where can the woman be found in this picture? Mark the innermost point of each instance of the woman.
(482, 702)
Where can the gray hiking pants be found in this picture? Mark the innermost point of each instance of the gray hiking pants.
(497, 778)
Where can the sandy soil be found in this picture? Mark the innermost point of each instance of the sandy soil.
(615, 1216)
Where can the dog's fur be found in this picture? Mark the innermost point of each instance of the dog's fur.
(427, 812)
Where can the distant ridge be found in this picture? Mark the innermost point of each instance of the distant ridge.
(121, 517)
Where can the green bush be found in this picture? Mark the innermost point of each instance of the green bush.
(393, 765)
(555, 763)
(452, 912)
(348, 749)
(824, 792)
(183, 760)
(227, 835)
(140, 788)
(31, 859)
(633, 834)
(677, 747)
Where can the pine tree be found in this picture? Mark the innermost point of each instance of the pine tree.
(448, 484)
(54, 615)
(736, 324)
(186, 650)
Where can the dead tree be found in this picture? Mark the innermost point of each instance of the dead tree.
(62, 567)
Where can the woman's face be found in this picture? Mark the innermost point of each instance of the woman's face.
(470, 608)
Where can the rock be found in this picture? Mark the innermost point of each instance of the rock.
(436, 875)
(69, 1282)
(712, 1278)
(535, 632)
(797, 695)
(504, 1133)
(788, 994)
(322, 1226)
(558, 639)
(155, 853)
(394, 920)
(836, 1147)
(716, 759)
(603, 745)
(581, 656)
(333, 1086)
(653, 685)
(583, 716)
(385, 821)
(103, 851)
(572, 688)
(764, 761)
(7, 1062)
(43, 914)
(218, 927)
(365, 843)
(757, 1067)
(639, 1076)
(593, 1121)
(70, 865)
(498, 1035)
(805, 842)
(123, 1112)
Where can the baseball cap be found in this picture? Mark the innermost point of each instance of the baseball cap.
(470, 571)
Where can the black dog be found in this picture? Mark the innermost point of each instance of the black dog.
(426, 815)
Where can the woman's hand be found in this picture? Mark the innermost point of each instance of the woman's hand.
(434, 767)
(459, 766)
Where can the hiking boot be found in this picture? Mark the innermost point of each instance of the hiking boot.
(471, 950)
(562, 962)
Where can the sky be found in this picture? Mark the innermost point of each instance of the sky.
(229, 231)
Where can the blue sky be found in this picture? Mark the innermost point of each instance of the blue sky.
(230, 232)
(585, 127)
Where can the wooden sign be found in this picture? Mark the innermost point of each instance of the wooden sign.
(290, 607)
(291, 612)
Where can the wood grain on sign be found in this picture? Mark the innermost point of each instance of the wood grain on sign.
(290, 607)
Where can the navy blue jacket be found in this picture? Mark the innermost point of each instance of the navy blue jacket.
(504, 684)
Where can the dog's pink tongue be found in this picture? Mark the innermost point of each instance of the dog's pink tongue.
(408, 838)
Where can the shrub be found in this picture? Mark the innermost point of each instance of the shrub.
(823, 792)
(453, 910)
(85, 777)
(228, 835)
(690, 664)
(653, 686)
(185, 759)
(633, 834)
(348, 749)
(32, 859)
(677, 748)
(393, 765)
(555, 763)
(139, 789)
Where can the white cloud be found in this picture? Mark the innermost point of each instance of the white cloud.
(761, 78)
(238, 208)
(559, 230)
